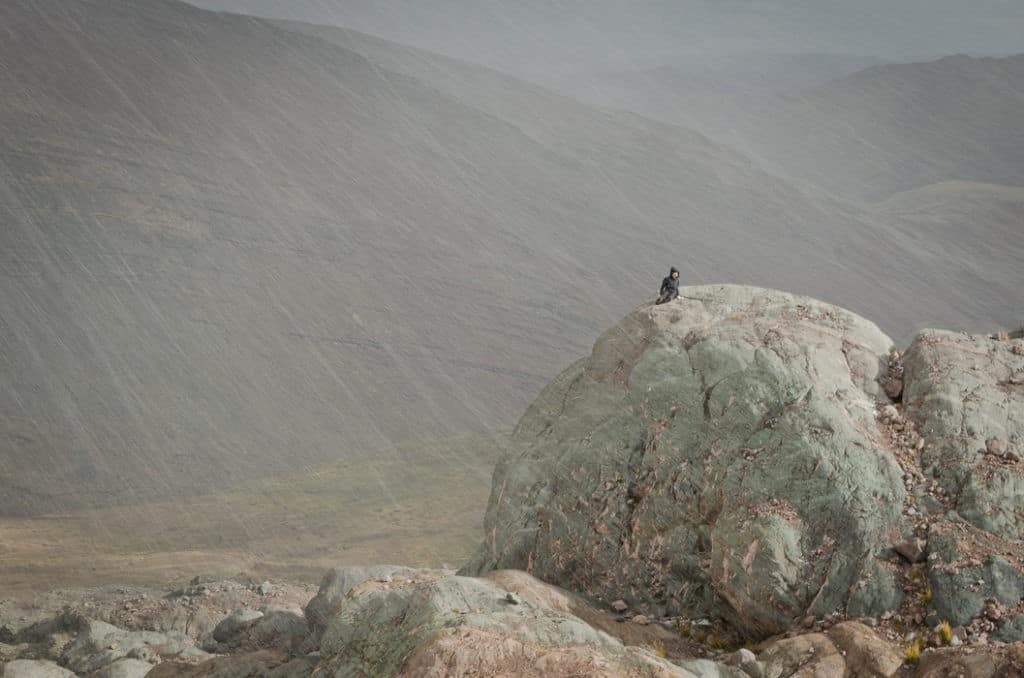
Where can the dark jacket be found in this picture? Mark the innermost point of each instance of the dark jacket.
(669, 289)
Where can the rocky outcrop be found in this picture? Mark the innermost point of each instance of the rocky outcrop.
(125, 668)
(507, 622)
(967, 392)
(722, 489)
(98, 644)
(338, 581)
(765, 459)
(458, 626)
(34, 668)
(715, 456)
(849, 649)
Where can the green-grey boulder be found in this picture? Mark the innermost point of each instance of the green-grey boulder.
(967, 393)
(33, 668)
(964, 572)
(125, 668)
(231, 625)
(456, 626)
(1011, 630)
(338, 581)
(714, 456)
(99, 644)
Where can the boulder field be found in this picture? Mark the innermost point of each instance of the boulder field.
(738, 483)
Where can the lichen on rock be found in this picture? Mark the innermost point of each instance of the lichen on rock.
(715, 456)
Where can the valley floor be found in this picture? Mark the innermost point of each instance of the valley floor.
(426, 513)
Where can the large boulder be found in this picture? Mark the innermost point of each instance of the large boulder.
(967, 568)
(714, 456)
(34, 668)
(99, 644)
(966, 394)
(338, 581)
(258, 664)
(125, 668)
(458, 626)
(234, 623)
(249, 631)
(848, 649)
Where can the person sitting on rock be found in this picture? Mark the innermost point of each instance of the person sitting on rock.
(669, 287)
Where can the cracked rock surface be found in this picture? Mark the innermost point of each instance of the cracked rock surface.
(715, 456)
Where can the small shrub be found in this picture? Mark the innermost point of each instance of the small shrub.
(657, 648)
(925, 597)
(716, 642)
(912, 655)
(945, 633)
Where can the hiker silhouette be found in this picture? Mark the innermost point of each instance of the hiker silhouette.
(669, 287)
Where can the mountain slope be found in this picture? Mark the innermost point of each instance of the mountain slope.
(978, 253)
(232, 251)
(560, 44)
(869, 135)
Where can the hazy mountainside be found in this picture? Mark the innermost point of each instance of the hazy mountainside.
(948, 207)
(562, 44)
(867, 136)
(668, 85)
(935, 150)
(980, 251)
(231, 250)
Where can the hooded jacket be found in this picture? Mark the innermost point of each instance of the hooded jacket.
(669, 287)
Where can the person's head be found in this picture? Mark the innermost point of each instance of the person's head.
(674, 272)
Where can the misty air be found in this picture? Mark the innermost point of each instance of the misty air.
(429, 338)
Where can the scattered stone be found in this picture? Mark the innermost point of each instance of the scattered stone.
(993, 613)
(912, 550)
(620, 606)
(511, 598)
(234, 623)
(98, 644)
(641, 620)
(740, 657)
(996, 447)
(35, 668)
(893, 388)
(125, 668)
(265, 589)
